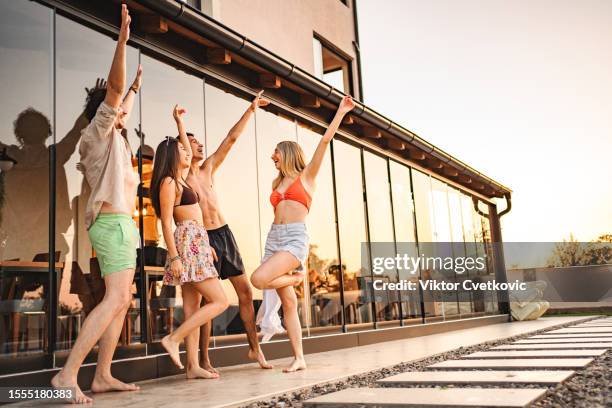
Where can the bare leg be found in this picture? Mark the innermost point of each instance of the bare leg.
(276, 267)
(247, 314)
(216, 303)
(103, 380)
(279, 264)
(204, 343)
(286, 280)
(294, 330)
(116, 298)
(191, 304)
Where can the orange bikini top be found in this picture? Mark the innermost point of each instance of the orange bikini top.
(295, 192)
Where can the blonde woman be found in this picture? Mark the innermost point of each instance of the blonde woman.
(287, 243)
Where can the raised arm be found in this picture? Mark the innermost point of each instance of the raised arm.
(128, 101)
(178, 113)
(215, 159)
(312, 168)
(116, 77)
(167, 196)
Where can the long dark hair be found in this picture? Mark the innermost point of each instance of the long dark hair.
(166, 164)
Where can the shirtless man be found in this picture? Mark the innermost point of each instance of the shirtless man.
(229, 262)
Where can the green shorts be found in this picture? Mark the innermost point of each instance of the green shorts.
(115, 239)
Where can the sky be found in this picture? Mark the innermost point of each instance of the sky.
(520, 90)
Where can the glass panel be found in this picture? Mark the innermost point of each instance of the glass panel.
(324, 278)
(442, 237)
(380, 221)
(403, 213)
(236, 185)
(352, 231)
(425, 230)
(26, 38)
(83, 55)
(163, 86)
(458, 247)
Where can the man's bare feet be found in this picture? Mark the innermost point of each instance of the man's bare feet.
(259, 357)
(172, 348)
(58, 381)
(298, 364)
(110, 383)
(199, 372)
(208, 367)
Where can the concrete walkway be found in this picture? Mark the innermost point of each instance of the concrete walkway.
(246, 383)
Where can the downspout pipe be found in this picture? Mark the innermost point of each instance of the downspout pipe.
(233, 41)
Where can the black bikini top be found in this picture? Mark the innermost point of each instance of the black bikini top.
(188, 196)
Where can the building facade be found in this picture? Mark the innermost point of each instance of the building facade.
(378, 182)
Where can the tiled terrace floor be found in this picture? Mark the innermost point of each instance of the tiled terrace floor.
(246, 383)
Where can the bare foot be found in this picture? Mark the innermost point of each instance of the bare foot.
(298, 364)
(208, 367)
(259, 357)
(79, 398)
(172, 348)
(298, 278)
(108, 384)
(199, 372)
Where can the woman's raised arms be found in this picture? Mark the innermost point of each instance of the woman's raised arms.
(312, 168)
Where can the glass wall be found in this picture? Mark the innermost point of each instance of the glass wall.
(380, 223)
(352, 232)
(398, 204)
(26, 124)
(324, 279)
(236, 185)
(405, 234)
(163, 86)
(82, 56)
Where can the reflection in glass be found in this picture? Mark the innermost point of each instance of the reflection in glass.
(380, 222)
(83, 55)
(236, 185)
(26, 38)
(163, 87)
(324, 279)
(403, 214)
(352, 232)
(442, 236)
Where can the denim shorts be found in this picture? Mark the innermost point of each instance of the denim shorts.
(115, 238)
(292, 238)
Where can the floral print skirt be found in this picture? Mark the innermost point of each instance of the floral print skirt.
(192, 244)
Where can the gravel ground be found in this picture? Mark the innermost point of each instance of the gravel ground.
(589, 387)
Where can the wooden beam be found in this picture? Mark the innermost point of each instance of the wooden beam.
(372, 132)
(219, 56)
(464, 179)
(488, 191)
(269, 81)
(395, 144)
(450, 171)
(433, 163)
(152, 24)
(477, 185)
(309, 101)
(348, 120)
(416, 154)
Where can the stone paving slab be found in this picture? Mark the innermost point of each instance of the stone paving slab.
(581, 330)
(604, 342)
(536, 353)
(548, 377)
(520, 363)
(552, 346)
(586, 337)
(427, 397)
